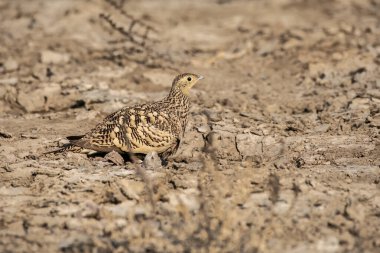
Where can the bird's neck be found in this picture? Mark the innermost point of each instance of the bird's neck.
(178, 101)
(178, 106)
(176, 95)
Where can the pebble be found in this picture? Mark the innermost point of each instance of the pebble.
(131, 189)
(52, 57)
(213, 116)
(10, 65)
(5, 134)
(10, 81)
(337, 56)
(115, 158)
(203, 129)
(159, 78)
(322, 128)
(152, 161)
(36, 100)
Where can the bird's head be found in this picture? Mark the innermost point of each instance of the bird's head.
(184, 82)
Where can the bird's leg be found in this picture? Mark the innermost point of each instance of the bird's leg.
(170, 151)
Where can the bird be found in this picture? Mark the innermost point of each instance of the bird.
(143, 128)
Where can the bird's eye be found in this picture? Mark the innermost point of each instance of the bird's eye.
(189, 79)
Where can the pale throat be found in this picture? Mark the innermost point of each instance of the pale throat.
(180, 92)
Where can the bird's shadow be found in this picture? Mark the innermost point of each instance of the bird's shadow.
(127, 157)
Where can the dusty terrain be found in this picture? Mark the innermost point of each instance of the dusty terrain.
(282, 152)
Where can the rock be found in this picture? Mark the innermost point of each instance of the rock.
(5, 134)
(322, 128)
(222, 144)
(72, 242)
(203, 129)
(374, 93)
(329, 244)
(159, 77)
(281, 207)
(292, 43)
(374, 121)
(87, 115)
(31, 102)
(115, 158)
(213, 116)
(10, 65)
(40, 98)
(360, 104)
(152, 161)
(249, 144)
(188, 198)
(187, 151)
(260, 199)
(253, 145)
(52, 57)
(90, 210)
(10, 81)
(266, 48)
(16, 228)
(131, 189)
(317, 69)
(331, 30)
(354, 210)
(337, 56)
(29, 136)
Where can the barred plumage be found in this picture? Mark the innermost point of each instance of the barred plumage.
(157, 126)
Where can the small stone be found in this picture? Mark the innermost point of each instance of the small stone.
(374, 121)
(331, 30)
(203, 129)
(266, 48)
(152, 161)
(131, 189)
(29, 136)
(245, 114)
(328, 244)
(62, 142)
(5, 134)
(292, 43)
(337, 56)
(360, 104)
(40, 98)
(158, 77)
(213, 116)
(87, 115)
(346, 28)
(90, 210)
(16, 228)
(115, 158)
(54, 57)
(10, 81)
(10, 65)
(322, 128)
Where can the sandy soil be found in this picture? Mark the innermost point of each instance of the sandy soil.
(282, 152)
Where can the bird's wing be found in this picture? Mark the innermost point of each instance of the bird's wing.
(101, 138)
(136, 130)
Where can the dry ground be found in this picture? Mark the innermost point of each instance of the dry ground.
(282, 153)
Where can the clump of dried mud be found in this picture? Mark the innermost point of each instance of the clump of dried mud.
(282, 153)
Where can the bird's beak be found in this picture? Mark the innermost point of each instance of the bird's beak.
(200, 77)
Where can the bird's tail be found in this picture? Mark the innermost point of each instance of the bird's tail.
(67, 147)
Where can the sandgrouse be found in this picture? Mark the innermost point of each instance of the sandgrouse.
(153, 127)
